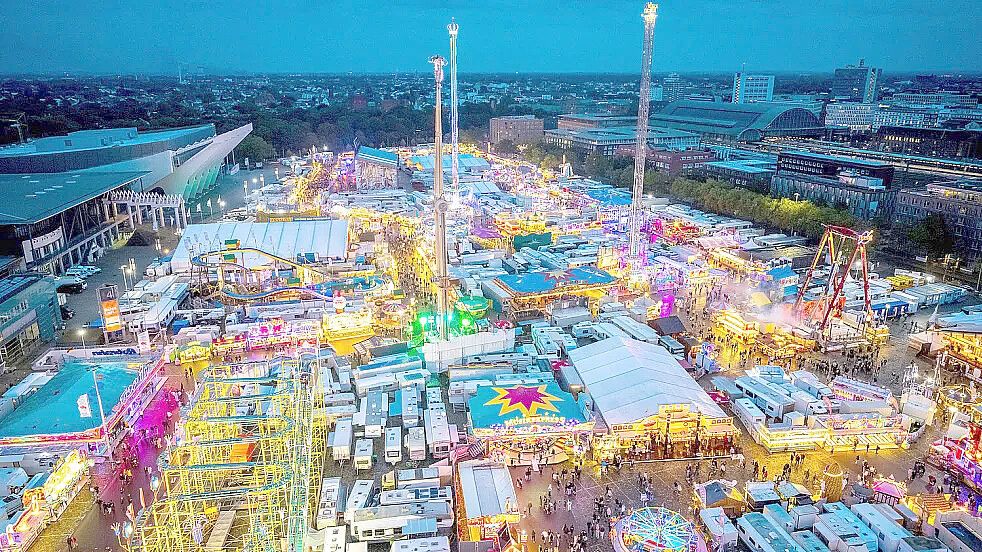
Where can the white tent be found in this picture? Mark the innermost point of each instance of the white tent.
(630, 380)
(326, 239)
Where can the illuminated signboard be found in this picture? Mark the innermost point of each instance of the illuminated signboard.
(112, 321)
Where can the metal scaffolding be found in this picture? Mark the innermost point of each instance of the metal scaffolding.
(240, 475)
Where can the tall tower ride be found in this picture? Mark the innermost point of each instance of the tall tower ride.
(641, 143)
(454, 195)
(439, 203)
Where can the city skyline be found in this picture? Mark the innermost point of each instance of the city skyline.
(495, 37)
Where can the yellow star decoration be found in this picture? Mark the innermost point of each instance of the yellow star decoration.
(527, 400)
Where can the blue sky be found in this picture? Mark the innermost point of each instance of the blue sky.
(151, 36)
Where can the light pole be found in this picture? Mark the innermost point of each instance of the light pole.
(123, 269)
(245, 187)
(81, 336)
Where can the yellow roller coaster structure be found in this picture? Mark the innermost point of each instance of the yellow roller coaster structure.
(243, 471)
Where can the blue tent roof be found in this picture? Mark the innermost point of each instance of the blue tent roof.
(377, 156)
(781, 272)
(522, 405)
(546, 281)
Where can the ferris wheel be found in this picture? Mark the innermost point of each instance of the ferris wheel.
(653, 530)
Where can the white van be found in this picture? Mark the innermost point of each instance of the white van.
(393, 445)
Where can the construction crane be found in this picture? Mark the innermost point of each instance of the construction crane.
(439, 204)
(641, 142)
(18, 121)
(839, 244)
(453, 28)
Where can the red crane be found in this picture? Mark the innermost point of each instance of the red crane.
(835, 242)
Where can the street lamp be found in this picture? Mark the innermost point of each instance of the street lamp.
(81, 335)
(123, 269)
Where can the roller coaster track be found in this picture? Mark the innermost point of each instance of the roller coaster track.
(196, 473)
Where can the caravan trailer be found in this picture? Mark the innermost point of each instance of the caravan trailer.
(327, 508)
(437, 432)
(416, 443)
(364, 454)
(388, 523)
(416, 494)
(361, 493)
(340, 439)
(393, 445)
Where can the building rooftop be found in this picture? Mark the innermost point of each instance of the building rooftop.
(738, 121)
(748, 166)
(837, 159)
(15, 284)
(53, 408)
(619, 133)
(31, 198)
(102, 138)
(377, 156)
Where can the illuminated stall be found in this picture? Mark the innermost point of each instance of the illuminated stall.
(651, 407)
(528, 294)
(522, 424)
(731, 325)
(487, 505)
(856, 431)
(46, 496)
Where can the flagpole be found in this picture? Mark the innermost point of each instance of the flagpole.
(102, 413)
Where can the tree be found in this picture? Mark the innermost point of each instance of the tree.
(255, 148)
(506, 147)
(932, 235)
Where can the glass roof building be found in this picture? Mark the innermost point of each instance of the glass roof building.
(728, 122)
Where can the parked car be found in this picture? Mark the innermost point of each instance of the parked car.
(70, 286)
(67, 313)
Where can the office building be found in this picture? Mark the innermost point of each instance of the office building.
(857, 83)
(753, 174)
(673, 162)
(181, 161)
(959, 203)
(939, 99)
(29, 316)
(673, 88)
(752, 88)
(519, 129)
(606, 140)
(929, 142)
(578, 121)
(857, 117)
(861, 187)
(730, 123)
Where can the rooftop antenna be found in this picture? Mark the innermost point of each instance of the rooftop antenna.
(452, 28)
(641, 144)
(439, 204)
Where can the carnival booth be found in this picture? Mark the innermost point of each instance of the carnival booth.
(650, 406)
(487, 505)
(533, 424)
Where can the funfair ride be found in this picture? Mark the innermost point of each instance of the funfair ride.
(440, 205)
(454, 196)
(240, 475)
(841, 246)
(641, 141)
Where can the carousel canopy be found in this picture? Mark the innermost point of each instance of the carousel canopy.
(961, 323)
(630, 380)
(523, 405)
(549, 281)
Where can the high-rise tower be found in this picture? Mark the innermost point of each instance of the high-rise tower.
(454, 192)
(641, 143)
(439, 203)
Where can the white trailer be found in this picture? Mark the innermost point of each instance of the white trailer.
(361, 493)
(416, 443)
(364, 454)
(327, 508)
(416, 494)
(393, 445)
(340, 439)
(437, 433)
